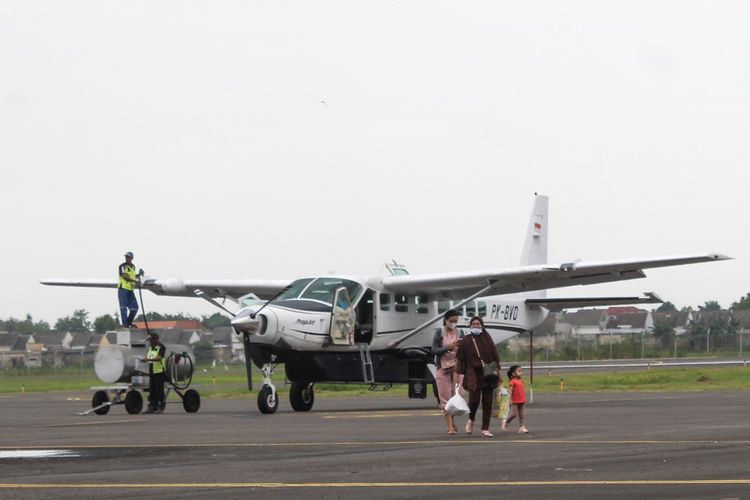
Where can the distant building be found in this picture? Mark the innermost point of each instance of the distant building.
(227, 346)
(582, 323)
(622, 326)
(13, 349)
(187, 325)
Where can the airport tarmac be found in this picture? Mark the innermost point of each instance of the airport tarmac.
(620, 445)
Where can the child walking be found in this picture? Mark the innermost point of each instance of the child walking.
(517, 400)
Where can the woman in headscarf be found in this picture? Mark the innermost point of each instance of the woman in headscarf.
(477, 350)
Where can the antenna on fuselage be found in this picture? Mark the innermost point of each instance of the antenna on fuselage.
(254, 314)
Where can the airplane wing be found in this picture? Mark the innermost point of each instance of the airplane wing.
(264, 289)
(529, 278)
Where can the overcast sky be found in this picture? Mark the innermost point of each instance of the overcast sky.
(276, 139)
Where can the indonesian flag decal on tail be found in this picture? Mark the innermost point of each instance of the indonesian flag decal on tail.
(537, 227)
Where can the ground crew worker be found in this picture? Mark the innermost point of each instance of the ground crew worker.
(125, 294)
(157, 374)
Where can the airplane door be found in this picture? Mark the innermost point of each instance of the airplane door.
(342, 319)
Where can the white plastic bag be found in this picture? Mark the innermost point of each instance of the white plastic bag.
(456, 405)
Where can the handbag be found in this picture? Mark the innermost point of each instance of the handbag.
(447, 364)
(490, 371)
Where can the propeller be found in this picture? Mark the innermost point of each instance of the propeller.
(240, 323)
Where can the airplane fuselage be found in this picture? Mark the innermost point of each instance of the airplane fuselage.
(380, 319)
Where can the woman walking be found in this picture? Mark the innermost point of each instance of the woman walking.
(445, 344)
(476, 351)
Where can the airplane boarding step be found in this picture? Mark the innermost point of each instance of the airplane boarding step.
(367, 372)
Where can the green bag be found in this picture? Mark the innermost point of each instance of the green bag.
(490, 371)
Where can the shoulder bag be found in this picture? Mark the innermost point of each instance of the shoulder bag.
(490, 371)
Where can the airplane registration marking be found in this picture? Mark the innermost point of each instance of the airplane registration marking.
(271, 485)
(505, 312)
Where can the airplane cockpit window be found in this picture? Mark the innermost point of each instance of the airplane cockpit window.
(443, 306)
(294, 290)
(317, 294)
(323, 289)
(482, 309)
(471, 309)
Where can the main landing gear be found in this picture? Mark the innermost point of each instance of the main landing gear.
(302, 396)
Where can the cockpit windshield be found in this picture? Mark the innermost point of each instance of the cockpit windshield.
(320, 290)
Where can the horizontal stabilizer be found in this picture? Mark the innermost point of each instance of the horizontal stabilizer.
(558, 304)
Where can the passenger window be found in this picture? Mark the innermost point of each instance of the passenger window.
(423, 304)
(471, 309)
(443, 306)
(385, 302)
(482, 309)
(402, 303)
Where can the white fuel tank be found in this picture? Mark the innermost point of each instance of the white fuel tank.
(118, 363)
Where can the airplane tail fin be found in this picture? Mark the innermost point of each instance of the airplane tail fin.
(535, 244)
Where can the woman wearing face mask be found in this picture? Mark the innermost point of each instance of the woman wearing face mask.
(445, 344)
(475, 350)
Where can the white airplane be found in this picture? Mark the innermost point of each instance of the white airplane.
(378, 330)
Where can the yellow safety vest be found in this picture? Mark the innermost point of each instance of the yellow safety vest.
(127, 285)
(156, 366)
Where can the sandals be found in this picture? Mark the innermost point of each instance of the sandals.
(487, 434)
(469, 426)
(523, 430)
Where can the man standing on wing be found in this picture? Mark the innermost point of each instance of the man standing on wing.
(125, 294)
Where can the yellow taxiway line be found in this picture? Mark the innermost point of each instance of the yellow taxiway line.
(426, 484)
(462, 440)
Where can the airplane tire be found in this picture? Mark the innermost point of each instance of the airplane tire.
(191, 401)
(301, 397)
(100, 397)
(266, 402)
(133, 402)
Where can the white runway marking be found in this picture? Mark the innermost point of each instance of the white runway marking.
(38, 454)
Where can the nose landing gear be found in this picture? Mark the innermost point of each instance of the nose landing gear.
(268, 400)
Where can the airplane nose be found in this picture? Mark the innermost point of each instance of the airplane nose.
(246, 324)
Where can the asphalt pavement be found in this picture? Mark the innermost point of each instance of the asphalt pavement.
(619, 445)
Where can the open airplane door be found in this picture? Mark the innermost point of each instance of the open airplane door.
(342, 319)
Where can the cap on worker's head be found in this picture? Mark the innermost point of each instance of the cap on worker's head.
(129, 254)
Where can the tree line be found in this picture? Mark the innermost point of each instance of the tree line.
(79, 321)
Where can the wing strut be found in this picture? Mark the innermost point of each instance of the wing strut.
(424, 325)
(200, 293)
